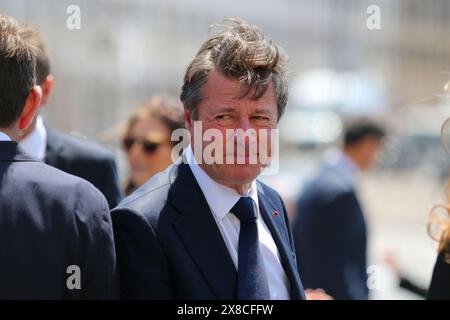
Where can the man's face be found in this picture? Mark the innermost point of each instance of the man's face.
(369, 149)
(224, 109)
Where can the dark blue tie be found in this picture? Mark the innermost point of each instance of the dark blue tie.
(252, 278)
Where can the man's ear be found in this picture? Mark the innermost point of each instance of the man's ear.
(31, 106)
(46, 86)
(188, 121)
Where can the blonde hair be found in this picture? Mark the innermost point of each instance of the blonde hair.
(439, 226)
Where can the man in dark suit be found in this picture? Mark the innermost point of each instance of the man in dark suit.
(56, 238)
(206, 229)
(329, 229)
(84, 159)
(70, 154)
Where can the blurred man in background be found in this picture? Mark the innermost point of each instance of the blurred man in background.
(67, 153)
(330, 230)
(56, 239)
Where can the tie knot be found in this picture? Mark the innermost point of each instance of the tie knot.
(244, 210)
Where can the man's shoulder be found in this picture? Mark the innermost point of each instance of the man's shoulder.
(79, 148)
(262, 187)
(324, 190)
(149, 199)
(269, 193)
(52, 184)
(330, 182)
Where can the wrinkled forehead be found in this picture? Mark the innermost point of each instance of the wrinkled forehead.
(219, 89)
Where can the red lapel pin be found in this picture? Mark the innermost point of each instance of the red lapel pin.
(276, 213)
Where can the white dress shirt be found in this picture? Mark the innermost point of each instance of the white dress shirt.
(221, 200)
(36, 142)
(4, 137)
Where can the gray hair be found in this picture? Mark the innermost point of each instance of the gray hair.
(238, 50)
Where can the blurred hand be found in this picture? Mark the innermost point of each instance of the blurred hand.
(389, 257)
(317, 294)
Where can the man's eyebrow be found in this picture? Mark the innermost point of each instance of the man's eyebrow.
(228, 109)
(225, 109)
(264, 111)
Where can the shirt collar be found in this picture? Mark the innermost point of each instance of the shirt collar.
(4, 137)
(221, 199)
(36, 142)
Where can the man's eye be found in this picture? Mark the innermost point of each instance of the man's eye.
(223, 117)
(261, 118)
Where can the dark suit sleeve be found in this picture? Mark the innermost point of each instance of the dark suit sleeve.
(408, 284)
(144, 272)
(96, 246)
(349, 280)
(110, 183)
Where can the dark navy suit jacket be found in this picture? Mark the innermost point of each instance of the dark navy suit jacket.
(330, 237)
(170, 247)
(50, 220)
(86, 160)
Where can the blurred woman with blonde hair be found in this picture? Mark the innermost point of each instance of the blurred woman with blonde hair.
(439, 229)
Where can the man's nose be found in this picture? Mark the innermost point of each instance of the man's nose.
(244, 123)
(249, 132)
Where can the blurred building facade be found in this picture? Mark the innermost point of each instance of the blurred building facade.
(127, 50)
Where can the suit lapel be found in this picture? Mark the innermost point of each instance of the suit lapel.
(201, 235)
(274, 219)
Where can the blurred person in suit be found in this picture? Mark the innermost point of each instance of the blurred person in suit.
(206, 229)
(147, 138)
(56, 239)
(329, 228)
(71, 154)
